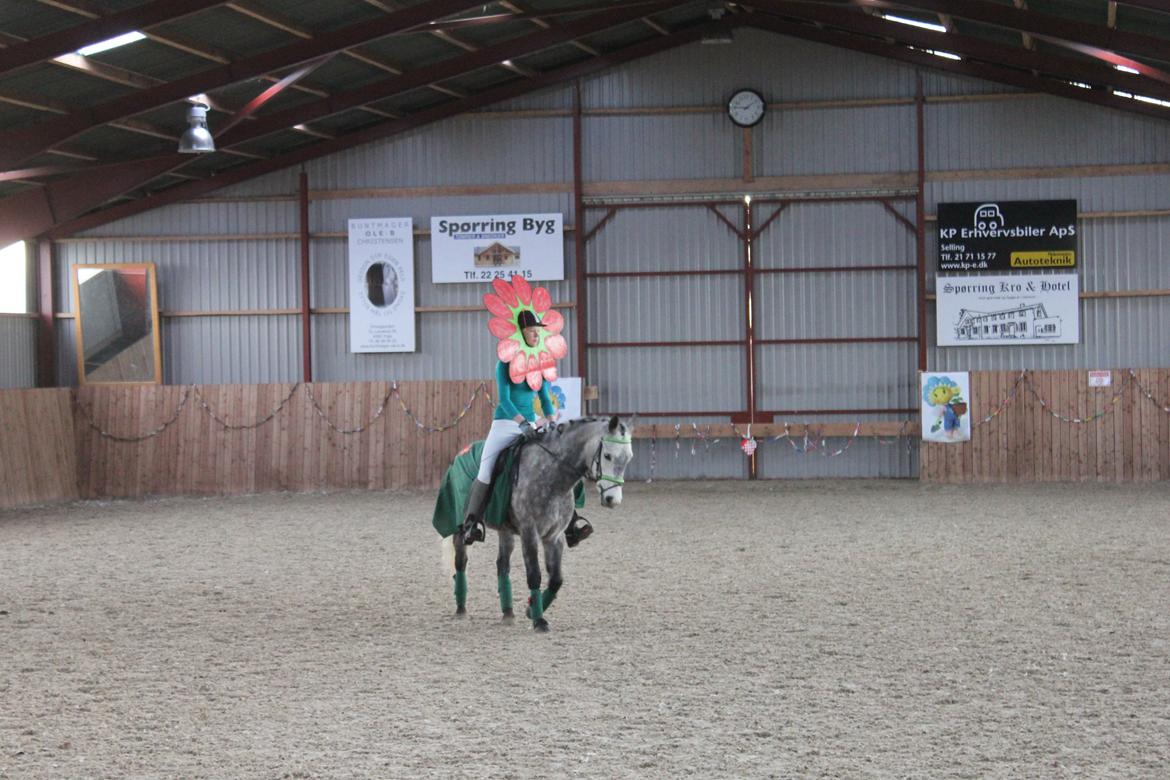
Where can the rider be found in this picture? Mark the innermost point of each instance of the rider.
(513, 419)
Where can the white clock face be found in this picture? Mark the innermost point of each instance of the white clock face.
(746, 107)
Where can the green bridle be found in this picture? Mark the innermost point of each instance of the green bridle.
(598, 475)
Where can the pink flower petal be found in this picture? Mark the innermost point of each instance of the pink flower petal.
(523, 289)
(518, 368)
(496, 306)
(507, 349)
(504, 290)
(553, 321)
(535, 380)
(550, 373)
(557, 346)
(541, 300)
(544, 360)
(501, 329)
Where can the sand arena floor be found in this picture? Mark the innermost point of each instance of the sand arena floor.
(803, 629)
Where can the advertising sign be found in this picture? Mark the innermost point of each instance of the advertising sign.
(1007, 235)
(978, 311)
(496, 246)
(381, 285)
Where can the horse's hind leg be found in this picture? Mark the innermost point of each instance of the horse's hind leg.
(529, 544)
(460, 577)
(504, 572)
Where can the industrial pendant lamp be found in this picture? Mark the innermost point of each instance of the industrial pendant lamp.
(196, 139)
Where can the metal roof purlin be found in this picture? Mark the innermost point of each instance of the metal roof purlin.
(446, 69)
(73, 38)
(19, 145)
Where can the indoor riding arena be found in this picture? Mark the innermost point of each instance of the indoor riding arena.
(850, 318)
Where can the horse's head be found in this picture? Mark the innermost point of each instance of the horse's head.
(608, 466)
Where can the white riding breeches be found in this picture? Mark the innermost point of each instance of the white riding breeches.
(502, 433)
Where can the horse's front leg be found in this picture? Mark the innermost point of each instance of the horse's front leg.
(529, 542)
(460, 577)
(507, 541)
(552, 563)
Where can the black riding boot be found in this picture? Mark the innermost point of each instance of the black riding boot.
(473, 529)
(578, 530)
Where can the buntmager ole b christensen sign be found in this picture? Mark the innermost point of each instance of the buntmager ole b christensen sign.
(1007, 235)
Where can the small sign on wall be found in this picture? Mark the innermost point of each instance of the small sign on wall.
(946, 408)
(1100, 378)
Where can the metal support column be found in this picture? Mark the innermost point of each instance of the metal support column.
(306, 314)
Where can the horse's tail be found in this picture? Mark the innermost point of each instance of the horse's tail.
(449, 555)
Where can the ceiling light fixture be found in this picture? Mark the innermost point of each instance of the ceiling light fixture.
(716, 11)
(914, 23)
(111, 43)
(196, 139)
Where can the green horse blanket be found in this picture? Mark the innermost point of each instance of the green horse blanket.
(456, 485)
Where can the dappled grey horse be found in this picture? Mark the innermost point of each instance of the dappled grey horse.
(542, 505)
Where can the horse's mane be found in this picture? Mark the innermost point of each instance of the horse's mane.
(571, 425)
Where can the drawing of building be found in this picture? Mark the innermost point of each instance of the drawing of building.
(496, 255)
(1022, 322)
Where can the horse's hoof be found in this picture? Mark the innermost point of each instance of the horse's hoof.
(460, 612)
(540, 626)
(508, 617)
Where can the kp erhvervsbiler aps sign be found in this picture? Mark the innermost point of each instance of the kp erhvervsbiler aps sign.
(1008, 310)
(381, 285)
(1007, 235)
(497, 246)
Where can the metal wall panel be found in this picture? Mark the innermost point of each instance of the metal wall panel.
(811, 234)
(835, 376)
(1038, 131)
(18, 352)
(677, 146)
(779, 67)
(669, 379)
(461, 150)
(670, 238)
(206, 219)
(823, 141)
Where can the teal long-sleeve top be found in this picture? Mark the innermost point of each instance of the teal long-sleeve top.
(516, 399)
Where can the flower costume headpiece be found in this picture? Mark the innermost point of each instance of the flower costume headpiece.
(525, 363)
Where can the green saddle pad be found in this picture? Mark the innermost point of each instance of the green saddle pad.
(456, 484)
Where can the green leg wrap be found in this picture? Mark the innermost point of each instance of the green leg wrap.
(505, 590)
(460, 588)
(547, 598)
(536, 608)
(579, 495)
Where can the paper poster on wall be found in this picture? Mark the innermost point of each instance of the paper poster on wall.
(976, 311)
(496, 246)
(381, 285)
(946, 406)
(566, 397)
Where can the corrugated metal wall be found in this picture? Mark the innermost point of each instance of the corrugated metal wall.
(18, 346)
(491, 148)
